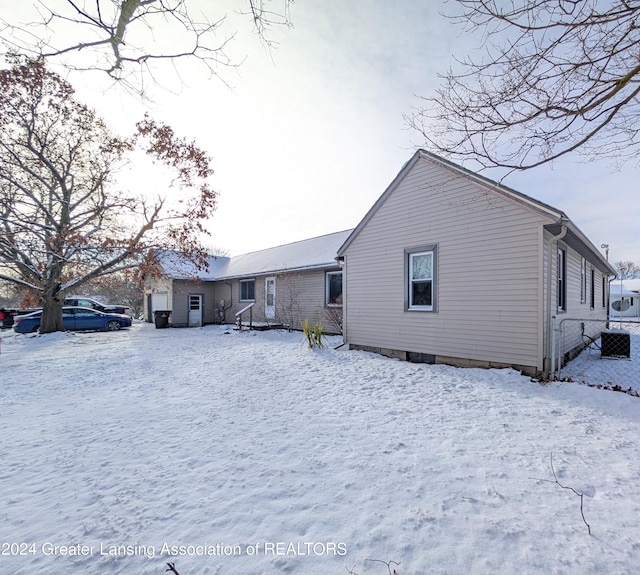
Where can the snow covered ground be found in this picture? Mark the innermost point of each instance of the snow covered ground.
(248, 454)
(593, 369)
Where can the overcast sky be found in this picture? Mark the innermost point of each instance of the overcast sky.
(312, 133)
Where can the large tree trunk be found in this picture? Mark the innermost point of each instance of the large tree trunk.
(52, 301)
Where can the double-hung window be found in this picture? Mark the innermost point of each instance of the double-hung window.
(583, 281)
(421, 279)
(562, 279)
(247, 290)
(334, 288)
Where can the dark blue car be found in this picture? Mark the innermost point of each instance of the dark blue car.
(74, 319)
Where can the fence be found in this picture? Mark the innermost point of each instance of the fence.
(599, 353)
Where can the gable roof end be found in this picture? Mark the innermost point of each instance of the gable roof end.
(483, 181)
(557, 218)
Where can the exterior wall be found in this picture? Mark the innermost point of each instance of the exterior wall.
(156, 286)
(578, 302)
(302, 296)
(299, 296)
(178, 292)
(489, 286)
(180, 309)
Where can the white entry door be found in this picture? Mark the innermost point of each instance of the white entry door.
(195, 310)
(270, 298)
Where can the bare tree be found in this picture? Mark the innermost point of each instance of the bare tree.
(122, 288)
(288, 298)
(555, 76)
(64, 220)
(627, 270)
(124, 37)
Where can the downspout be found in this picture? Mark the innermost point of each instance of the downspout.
(550, 334)
(226, 308)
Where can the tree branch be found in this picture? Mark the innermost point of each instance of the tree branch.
(581, 495)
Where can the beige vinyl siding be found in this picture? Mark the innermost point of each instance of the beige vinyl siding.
(299, 296)
(180, 298)
(576, 310)
(229, 291)
(488, 289)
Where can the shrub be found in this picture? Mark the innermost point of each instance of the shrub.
(313, 334)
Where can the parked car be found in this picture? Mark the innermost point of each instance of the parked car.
(7, 314)
(6, 317)
(93, 304)
(74, 319)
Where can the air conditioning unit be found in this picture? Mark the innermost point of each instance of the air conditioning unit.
(615, 343)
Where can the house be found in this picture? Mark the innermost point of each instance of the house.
(451, 267)
(624, 299)
(184, 290)
(282, 285)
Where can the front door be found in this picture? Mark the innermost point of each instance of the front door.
(195, 310)
(270, 298)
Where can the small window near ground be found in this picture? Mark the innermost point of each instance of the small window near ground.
(334, 288)
(421, 279)
(247, 290)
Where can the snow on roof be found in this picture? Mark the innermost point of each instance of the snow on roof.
(176, 266)
(625, 288)
(312, 253)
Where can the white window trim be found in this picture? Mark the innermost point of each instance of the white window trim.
(408, 280)
(240, 282)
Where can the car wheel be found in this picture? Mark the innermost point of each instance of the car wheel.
(35, 329)
(113, 325)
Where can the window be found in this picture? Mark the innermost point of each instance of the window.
(421, 279)
(604, 292)
(334, 288)
(562, 279)
(592, 295)
(247, 290)
(583, 281)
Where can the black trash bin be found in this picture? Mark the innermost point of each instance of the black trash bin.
(161, 318)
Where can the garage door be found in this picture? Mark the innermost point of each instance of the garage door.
(159, 301)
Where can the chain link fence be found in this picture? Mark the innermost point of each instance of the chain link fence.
(599, 353)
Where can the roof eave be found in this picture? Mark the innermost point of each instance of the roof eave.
(313, 267)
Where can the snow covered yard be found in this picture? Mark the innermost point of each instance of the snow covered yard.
(247, 454)
(593, 369)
